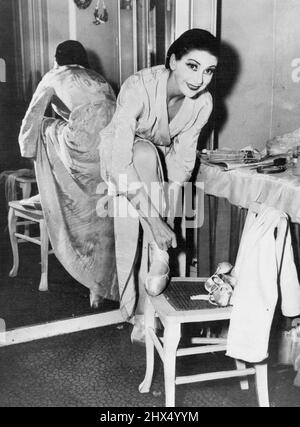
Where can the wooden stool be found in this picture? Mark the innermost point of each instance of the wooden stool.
(28, 216)
(188, 311)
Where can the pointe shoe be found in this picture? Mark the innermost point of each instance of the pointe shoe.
(158, 276)
(95, 299)
(138, 331)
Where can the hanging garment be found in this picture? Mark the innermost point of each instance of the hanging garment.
(264, 265)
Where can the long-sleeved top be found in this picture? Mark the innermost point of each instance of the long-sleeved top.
(142, 113)
(67, 88)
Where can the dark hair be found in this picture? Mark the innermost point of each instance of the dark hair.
(71, 52)
(190, 40)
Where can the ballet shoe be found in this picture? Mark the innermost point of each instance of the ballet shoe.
(158, 275)
(138, 332)
(95, 299)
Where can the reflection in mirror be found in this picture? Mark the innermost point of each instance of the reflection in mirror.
(27, 53)
(143, 29)
(147, 28)
(160, 29)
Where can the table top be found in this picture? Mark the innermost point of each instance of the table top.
(244, 186)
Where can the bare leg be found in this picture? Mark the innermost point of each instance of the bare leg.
(146, 166)
(145, 163)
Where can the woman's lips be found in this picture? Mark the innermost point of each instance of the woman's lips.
(192, 87)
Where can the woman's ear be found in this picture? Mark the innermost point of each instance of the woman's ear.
(55, 64)
(173, 62)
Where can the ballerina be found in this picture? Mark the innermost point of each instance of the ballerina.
(151, 140)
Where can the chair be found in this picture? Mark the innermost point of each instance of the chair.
(163, 307)
(22, 179)
(28, 216)
(174, 308)
(25, 183)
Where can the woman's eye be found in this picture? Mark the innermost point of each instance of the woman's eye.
(209, 72)
(193, 67)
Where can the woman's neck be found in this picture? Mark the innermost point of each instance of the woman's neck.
(173, 93)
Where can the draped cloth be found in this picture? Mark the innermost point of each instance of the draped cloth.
(265, 261)
(68, 174)
(243, 186)
(10, 177)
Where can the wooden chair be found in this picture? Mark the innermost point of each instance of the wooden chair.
(174, 308)
(18, 216)
(25, 183)
(172, 319)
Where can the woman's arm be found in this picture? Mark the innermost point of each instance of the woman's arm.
(120, 135)
(181, 159)
(31, 124)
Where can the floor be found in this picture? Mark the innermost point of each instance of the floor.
(99, 367)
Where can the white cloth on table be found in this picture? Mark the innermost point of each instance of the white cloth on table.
(241, 187)
(265, 259)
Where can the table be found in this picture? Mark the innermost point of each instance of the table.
(240, 187)
(243, 186)
(228, 195)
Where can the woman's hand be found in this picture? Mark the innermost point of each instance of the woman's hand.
(163, 235)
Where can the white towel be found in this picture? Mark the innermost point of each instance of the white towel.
(265, 256)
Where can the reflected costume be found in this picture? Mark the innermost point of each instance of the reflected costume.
(142, 114)
(68, 172)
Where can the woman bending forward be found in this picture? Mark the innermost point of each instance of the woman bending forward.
(152, 139)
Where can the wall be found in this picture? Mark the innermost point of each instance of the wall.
(286, 93)
(58, 25)
(101, 40)
(245, 110)
(262, 44)
(66, 21)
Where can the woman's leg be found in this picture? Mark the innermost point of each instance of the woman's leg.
(145, 160)
(146, 164)
(151, 201)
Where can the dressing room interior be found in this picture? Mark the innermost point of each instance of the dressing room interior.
(149, 203)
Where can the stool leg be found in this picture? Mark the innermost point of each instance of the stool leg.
(262, 385)
(149, 314)
(171, 340)
(12, 227)
(44, 256)
(244, 383)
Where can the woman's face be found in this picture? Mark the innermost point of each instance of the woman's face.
(193, 72)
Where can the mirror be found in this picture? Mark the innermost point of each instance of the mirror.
(135, 36)
(147, 28)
